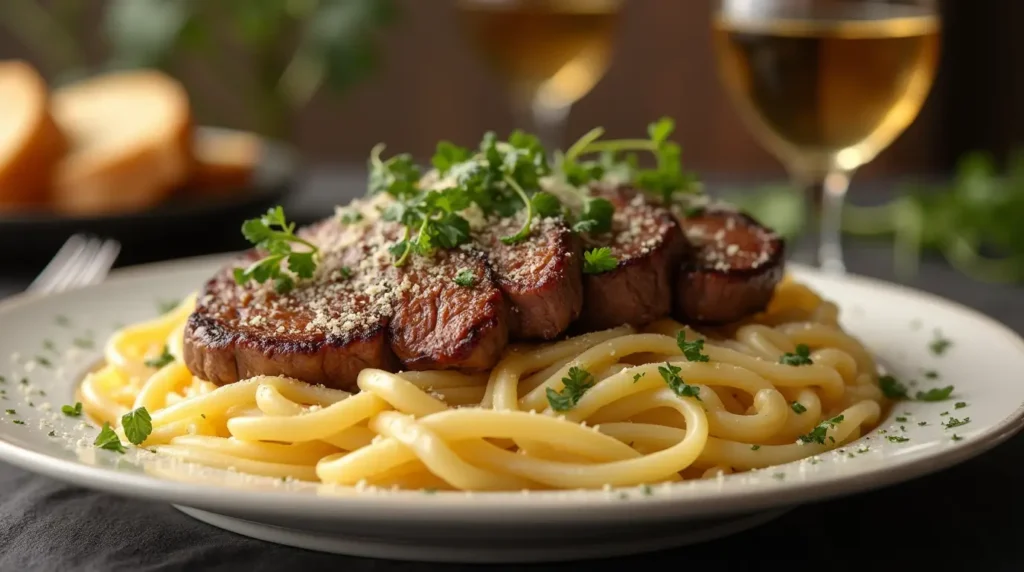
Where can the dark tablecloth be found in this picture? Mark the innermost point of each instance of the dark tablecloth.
(969, 516)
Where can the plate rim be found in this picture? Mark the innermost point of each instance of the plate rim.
(413, 506)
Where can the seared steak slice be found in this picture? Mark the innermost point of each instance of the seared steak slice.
(439, 324)
(540, 276)
(648, 244)
(734, 269)
(358, 311)
(324, 332)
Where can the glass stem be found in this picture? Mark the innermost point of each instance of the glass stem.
(547, 123)
(824, 198)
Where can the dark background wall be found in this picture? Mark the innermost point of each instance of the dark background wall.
(429, 84)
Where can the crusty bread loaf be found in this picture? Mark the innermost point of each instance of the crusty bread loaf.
(224, 161)
(30, 142)
(131, 138)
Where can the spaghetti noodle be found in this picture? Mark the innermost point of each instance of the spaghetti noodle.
(649, 412)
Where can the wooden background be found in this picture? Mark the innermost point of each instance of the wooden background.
(429, 84)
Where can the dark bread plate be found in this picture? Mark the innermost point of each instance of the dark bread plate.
(185, 225)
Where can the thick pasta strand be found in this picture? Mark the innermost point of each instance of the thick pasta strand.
(645, 414)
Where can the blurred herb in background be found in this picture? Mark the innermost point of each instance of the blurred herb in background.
(286, 49)
(975, 220)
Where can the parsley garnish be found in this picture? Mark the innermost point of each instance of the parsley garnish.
(274, 236)
(754, 447)
(956, 437)
(576, 384)
(43, 361)
(598, 260)
(901, 419)
(51, 434)
(898, 438)
(801, 357)
(137, 425)
(798, 408)
(108, 440)
(11, 412)
(18, 422)
(937, 394)
(637, 376)
(350, 216)
(694, 351)
(954, 422)
(648, 490)
(818, 434)
(670, 373)
(940, 344)
(345, 272)
(931, 374)
(161, 360)
(72, 410)
(959, 405)
(465, 278)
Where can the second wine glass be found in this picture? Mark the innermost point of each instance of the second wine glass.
(551, 53)
(826, 85)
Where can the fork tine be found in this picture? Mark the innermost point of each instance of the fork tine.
(101, 263)
(57, 266)
(71, 275)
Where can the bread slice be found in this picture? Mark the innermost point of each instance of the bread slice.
(224, 161)
(131, 137)
(30, 142)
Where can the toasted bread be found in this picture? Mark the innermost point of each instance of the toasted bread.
(224, 161)
(30, 141)
(131, 139)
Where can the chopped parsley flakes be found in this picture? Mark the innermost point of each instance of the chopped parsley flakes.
(72, 410)
(161, 360)
(801, 357)
(818, 434)
(670, 373)
(599, 260)
(576, 384)
(898, 438)
(959, 405)
(935, 394)
(694, 351)
(954, 422)
(940, 344)
(798, 408)
(637, 376)
(465, 278)
(754, 447)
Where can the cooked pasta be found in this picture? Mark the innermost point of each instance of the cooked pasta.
(621, 407)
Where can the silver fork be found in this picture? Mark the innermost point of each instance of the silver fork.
(81, 261)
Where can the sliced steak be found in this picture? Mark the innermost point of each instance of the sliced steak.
(648, 244)
(540, 276)
(735, 266)
(358, 311)
(439, 324)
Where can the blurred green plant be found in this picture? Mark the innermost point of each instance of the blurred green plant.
(292, 47)
(975, 219)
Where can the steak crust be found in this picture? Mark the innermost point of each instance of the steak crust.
(648, 244)
(735, 266)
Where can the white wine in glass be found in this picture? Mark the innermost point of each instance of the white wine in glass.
(551, 53)
(826, 85)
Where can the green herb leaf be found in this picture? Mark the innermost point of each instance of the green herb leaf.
(274, 236)
(670, 373)
(72, 410)
(638, 376)
(897, 438)
(107, 439)
(801, 357)
(754, 447)
(161, 360)
(465, 278)
(693, 351)
(892, 388)
(954, 422)
(819, 433)
(137, 425)
(959, 405)
(798, 407)
(546, 205)
(596, 216)
(940, 344)
(599, 260)
(576, 384)
(935, 394)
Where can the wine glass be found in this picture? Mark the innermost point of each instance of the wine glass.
(551, 53)
(826, 85)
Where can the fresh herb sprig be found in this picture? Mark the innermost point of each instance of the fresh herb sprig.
(273, 235)
(576, 384)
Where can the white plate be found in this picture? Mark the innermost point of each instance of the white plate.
(985, 363)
